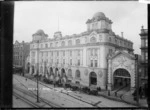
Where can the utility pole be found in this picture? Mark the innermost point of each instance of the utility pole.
(37, 72)
(137, 78)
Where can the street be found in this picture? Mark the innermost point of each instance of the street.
(65, 97)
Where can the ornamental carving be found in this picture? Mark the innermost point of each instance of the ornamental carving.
(124, 63)
(100, 73)
(86, 72)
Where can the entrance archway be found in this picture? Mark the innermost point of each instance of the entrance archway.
(122, 78)
(56, 72)
(92, 79)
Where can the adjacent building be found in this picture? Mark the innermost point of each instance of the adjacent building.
(20, 53)
(144, 54)
(91, 58)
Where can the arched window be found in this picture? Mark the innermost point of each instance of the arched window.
(77, 74)
(63, 43)
(70, 42)
(77, 41)
(93, 40)
(121, 72)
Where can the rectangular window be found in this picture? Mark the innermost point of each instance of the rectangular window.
(78, 52)
(91, 63)
(57, 53)
(57, 61)
(95, 52)
(95, 63)
(78, 62)
(71, 53)
(63, 53)
(52, 53)
(70, 61)
(91, 52)
(146, 56)
(63, 61)
(52, 60)
(146, 42)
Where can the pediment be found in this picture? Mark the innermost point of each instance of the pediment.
(94, 33)
(121, 53)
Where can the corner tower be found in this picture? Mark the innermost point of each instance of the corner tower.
(98, 21)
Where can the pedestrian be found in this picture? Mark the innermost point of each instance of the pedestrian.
(140, 91)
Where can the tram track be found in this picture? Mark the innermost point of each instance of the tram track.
(79, 99)
(30, 103)
(34, 95)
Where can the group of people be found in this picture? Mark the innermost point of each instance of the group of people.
(143, 91)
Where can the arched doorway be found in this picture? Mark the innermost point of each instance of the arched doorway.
(56, 72)
(63, 72)
(77, 75)
(92, 79)
(121, 78)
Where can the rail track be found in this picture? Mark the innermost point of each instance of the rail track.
(67, 94)
(30, 103)
(33, 95)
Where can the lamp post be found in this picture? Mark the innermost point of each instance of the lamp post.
(37, 72)
(137, 78)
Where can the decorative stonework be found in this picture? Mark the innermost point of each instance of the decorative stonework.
(123, 62)
(100, 73)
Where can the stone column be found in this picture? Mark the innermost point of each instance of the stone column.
(109, 85)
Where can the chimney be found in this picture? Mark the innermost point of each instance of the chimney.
(122, 34)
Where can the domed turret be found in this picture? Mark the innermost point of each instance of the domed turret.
(40, 32)
(39, 35)
(99, 15)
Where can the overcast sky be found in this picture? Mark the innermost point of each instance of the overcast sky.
(127, 17)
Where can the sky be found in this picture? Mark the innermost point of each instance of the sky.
(70, 17)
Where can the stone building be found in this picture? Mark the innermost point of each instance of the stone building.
(20, 53)
(79, 58)
(144, 54)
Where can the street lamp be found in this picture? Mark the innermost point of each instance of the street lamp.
(37, 72)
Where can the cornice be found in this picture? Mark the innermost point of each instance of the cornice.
(85, 45)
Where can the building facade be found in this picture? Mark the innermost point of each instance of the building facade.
(144, 55)
(20, 53)
(78, 58)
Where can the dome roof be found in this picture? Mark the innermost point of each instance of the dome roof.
(40, 31)
(99, 14)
